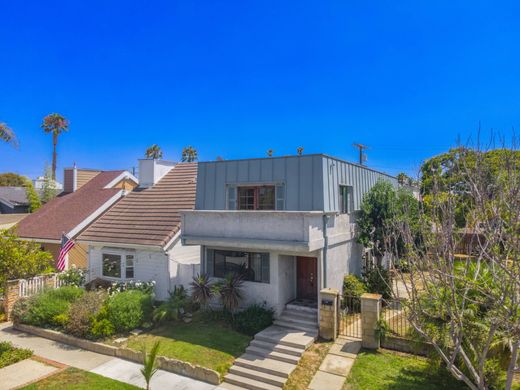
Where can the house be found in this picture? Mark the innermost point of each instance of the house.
(139, 238)
(7, 221)
(13, 200)
(87, 194)
(290, 220)
(39, 184)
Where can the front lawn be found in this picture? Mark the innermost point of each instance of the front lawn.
(10, 355)
(72, 378)
(205, 342)
(397, 371)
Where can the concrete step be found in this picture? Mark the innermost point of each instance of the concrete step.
(228, 386)
(295, 325)
(277, 347)
(269, 366)
(248, 383)
(288, 337)
(301, 314)
(258, 375)
(297, 320)
(283, 357)
(301, 308)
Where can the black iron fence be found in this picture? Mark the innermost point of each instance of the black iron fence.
(350, 316)
(395, 316)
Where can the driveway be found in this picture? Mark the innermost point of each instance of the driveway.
(108, 366)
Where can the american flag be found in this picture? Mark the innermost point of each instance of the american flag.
(66, 246)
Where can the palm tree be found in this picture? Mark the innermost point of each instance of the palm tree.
(154, 152)
(189, 154)
(270, 153)
(55, 124)
(8, 135)
(149, 363)
(201, 289)
(299, 151)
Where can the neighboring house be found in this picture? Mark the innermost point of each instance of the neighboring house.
(7, 221)
(289, 220)
(39, 183)
(139, 238)
(87, 194)
(13, 200)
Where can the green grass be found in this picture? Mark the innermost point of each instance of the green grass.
(397, 371)
(207, 343)
(72, 378)
(10, 355)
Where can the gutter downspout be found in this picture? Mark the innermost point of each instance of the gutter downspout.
(325, 248)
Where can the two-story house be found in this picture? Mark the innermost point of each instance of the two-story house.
(289, 220)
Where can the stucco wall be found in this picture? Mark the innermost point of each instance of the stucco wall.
(287, 278)
(184, 264)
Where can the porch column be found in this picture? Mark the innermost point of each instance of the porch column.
(328, 306)
(370, 314)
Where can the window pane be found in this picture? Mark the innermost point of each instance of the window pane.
(220, 264)
(230, 262)
(265, 268)
(255, 272)
(266, 198)
(280, 197)
(129, 266)
(232, 198)
(210, 265)
(112, 266)
(246, 198)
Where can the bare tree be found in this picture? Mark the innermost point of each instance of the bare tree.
(467, 306)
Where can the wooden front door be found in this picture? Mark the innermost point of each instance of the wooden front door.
(307, 278)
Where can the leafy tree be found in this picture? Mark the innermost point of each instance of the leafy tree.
(154, 152)
(32, 196)
(8, 135)
(469, 309)
(21, 259)
(189, 154)
(12, 180)
(49, 190)
(55, 124)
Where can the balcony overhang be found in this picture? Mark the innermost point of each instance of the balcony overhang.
(288, 231)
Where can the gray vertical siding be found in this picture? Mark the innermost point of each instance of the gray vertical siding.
(337, 172)
(311, 182)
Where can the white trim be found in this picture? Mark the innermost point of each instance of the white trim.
(7, 203)
(154, 248)
(43, 240)
(87, 221)
(74, 178)
(173, 241)
(123, 175)
(122, 254)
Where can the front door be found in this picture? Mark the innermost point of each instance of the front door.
(307, 278)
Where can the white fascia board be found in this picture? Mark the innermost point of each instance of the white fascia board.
(7, 203)
(124, 175)
(170, 244)
(152, 248)
(87, 221)
(44, 240)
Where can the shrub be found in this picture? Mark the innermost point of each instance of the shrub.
(253, 319)
(379, 281)
(146, 287)
(47, 308)
(353, 286)
(170, 310)
(83, 312)
(129, 309)
(73, 277)
(102, 328)
(10, 355)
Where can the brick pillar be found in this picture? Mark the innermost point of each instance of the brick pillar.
(370, 314)
(11, 295)
(329, 313)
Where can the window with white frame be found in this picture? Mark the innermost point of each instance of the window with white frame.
(118, 265)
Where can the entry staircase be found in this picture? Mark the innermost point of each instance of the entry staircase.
(274, 352)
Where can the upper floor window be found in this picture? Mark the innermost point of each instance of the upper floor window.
(346, 199)
(264, 197)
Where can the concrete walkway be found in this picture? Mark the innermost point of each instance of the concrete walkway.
(336, 366)
(108, 366)
(23, 372)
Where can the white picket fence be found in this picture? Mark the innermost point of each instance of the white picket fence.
(28, 287)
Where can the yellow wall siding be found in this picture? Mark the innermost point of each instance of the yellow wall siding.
(126, 184)
(83, 176)
(78, 255)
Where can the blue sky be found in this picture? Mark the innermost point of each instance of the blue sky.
(235, 78)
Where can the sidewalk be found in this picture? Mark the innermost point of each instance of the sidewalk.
(108, 366)
(336, 366)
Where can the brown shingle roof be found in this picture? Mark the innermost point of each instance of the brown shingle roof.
(68, 210)
(148, 216)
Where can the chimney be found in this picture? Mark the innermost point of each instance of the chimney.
(151, 171)
(69, 179)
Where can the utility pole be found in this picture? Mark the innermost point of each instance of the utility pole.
(362, 156)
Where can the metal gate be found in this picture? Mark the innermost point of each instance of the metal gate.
(350, 317)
